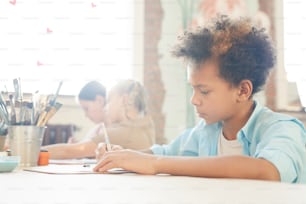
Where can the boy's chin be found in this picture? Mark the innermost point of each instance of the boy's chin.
(209, 122)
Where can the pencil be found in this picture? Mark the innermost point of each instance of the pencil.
(106, 138)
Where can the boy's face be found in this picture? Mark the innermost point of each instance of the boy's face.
(213, 97)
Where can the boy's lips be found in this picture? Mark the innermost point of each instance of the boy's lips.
(202, 115)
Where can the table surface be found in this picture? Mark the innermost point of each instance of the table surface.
(27, 187)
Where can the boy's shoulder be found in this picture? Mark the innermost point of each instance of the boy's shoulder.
(265, 112)
(265, 116)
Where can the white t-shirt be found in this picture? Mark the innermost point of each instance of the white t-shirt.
(228, 147)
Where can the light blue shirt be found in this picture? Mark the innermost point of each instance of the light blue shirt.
(278, 138)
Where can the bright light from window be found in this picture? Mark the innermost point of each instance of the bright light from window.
(295, 44)
(43, 42)
(295, 40)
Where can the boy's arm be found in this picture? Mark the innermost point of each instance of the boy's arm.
(216, 167)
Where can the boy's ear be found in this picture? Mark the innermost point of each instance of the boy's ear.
(245, 90)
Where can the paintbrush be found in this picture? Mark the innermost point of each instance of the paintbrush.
(53, 100)
(3, 110)
(35, 98)
(47, 114)
(19, 98)
(13, 112)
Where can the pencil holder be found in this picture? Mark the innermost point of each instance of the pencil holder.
(25, 141)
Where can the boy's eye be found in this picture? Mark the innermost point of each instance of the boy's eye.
(204, 92)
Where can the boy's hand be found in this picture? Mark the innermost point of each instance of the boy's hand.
(128, 160)
(101, 149)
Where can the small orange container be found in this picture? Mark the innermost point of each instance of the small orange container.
(43, 158)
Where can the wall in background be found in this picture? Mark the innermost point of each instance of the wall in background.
(173, 71)
(55, 39)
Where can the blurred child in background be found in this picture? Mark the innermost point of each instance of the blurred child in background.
(125, 116)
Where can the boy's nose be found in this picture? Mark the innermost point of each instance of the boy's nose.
(194, 100)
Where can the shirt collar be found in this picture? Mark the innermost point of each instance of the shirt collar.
(249, 126)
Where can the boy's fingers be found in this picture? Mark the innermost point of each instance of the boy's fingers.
(105, 167)
(102, 161)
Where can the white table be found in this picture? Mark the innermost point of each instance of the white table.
(38, 188)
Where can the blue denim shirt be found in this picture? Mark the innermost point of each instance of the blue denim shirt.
(276, 137)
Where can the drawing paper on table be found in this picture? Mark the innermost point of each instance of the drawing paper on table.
(61, 169)
(71, 169)
(72, 161)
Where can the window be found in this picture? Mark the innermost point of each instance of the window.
(43, 42)
(295, 45)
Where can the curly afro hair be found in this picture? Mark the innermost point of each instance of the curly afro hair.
(242, 51)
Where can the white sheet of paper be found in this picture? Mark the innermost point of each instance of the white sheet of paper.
(72, 161)
(71, 169)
